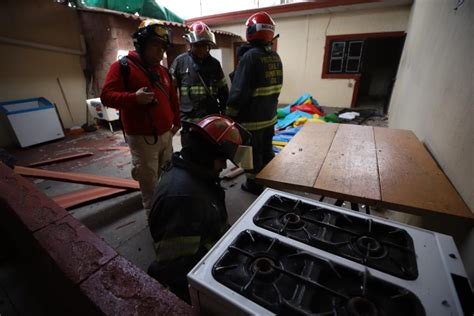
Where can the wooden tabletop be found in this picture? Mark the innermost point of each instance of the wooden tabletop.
(371, 165)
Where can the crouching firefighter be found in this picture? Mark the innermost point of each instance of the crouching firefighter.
(188, 214)
(142, 90)
(201, 82)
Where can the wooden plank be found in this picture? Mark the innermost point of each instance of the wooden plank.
(60, 159)
(74, 177)
(113, 148)
(75, 198)
(350, 169)
(297, 165)
(411, 180)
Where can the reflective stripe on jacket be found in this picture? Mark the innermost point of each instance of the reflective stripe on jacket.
(256, 86)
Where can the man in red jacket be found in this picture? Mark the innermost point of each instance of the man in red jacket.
(142, 90)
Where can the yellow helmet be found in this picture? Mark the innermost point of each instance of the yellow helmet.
(151, 29)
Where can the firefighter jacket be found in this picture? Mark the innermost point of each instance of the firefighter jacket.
(197, 101)
(187, 217)
(256, 86)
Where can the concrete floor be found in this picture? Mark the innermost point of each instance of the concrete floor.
(120, 221)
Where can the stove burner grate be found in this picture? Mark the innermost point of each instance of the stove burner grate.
(289, 281)
(376, 245)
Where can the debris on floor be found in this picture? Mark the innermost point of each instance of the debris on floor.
(75, 177)
(293, 116)
(7, 158)
(349, 115)
(60, 159)
(72, 199)
(307, 109)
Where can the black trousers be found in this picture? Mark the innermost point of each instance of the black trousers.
(185, 141)
(173, 276)
(262, 150)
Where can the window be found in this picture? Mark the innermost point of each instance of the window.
(345, 57)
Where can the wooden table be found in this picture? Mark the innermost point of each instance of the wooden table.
(371, 165)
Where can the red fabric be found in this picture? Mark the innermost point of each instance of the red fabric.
(308, 108)
(140, 119)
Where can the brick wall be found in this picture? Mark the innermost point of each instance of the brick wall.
(76, 272)
(106, 33)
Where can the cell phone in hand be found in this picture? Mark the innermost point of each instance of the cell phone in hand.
(154, 101)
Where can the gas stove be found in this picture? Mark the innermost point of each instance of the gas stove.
(290, 255)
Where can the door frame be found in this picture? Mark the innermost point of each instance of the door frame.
(347, 37)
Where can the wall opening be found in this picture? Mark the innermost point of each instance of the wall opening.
(370, 59)
(379, 67)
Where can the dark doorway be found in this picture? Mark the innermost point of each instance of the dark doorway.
(174, 51)
(379, 67)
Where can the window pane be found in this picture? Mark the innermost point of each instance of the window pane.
(355, 49)
(337, 49)
(353, 65)
(335, 65)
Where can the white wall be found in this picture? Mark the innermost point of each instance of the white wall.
(301, 47)
(27, 72)
(433, 94)
(225, 56)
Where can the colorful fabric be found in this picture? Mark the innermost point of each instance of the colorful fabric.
(291, 118)
(305, 103)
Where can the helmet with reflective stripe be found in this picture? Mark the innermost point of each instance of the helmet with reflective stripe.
(260, 27)
(151, 29)
(199, 32)
(222, 132)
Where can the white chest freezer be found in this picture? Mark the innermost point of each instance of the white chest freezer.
(101, 112)
(34, 121)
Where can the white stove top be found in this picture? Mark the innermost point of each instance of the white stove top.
(437, 259)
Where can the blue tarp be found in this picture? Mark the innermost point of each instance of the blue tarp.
(283, 112)
(291, 118)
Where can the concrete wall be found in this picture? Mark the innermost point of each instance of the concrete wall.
(27, 72)
(301, 47)
(433, 94)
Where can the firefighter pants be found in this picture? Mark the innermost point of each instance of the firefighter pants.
(262, 150)
(147, 161)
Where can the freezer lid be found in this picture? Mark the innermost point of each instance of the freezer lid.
(25, 105)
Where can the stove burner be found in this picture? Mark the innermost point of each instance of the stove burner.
(288, 281)
(361, 306)
(292, 221)
(263, 265)
(363, 240)
(369, 247)
(264, 268)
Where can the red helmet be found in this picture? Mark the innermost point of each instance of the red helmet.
(200, 32)
(222, 132)
(260, 27)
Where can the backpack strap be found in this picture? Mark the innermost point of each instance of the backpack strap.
(153, 77)
(125, 71)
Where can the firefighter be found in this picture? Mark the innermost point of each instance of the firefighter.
(189, 214)
(256, 85)
(143, 91)
(201, 82)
